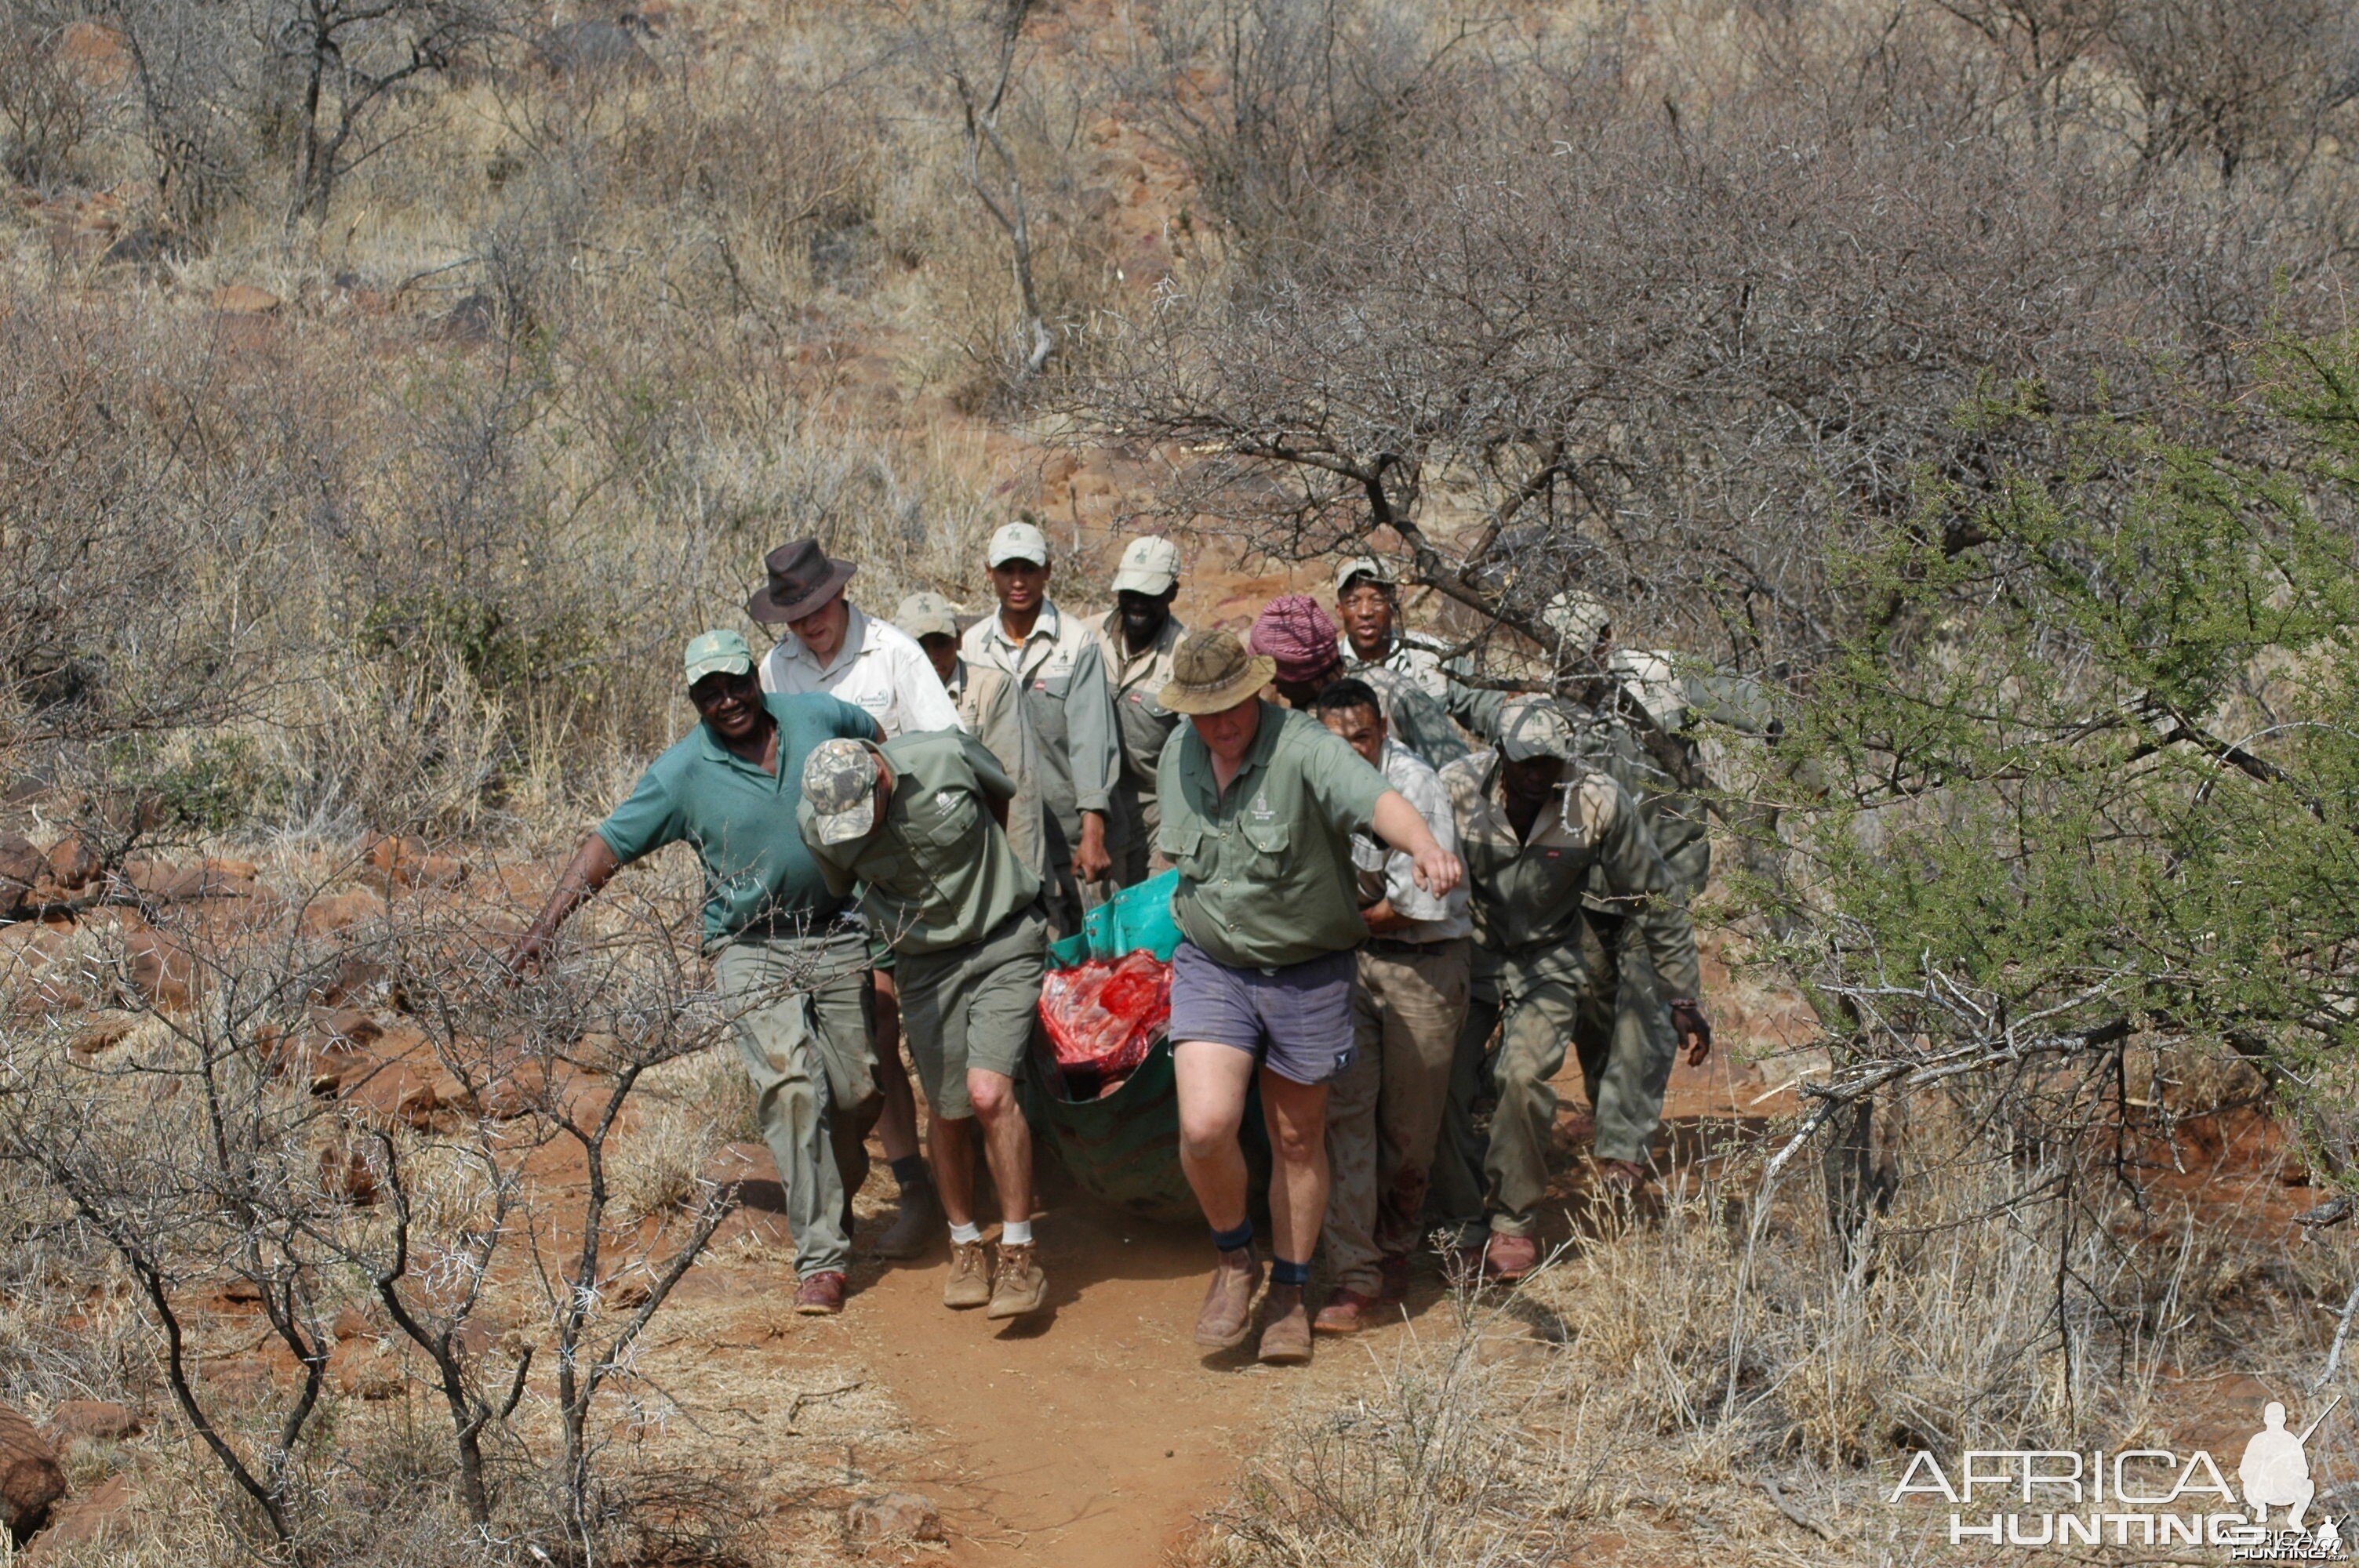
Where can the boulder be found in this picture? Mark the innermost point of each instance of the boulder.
(331, 912)
(516, 1093)
(92, 1421)
(31, 1481)
(22, 867)
(101, 1030)
(244, 299)
(103, 1517)
(364, 1369)
(902, 1515)
(346, 1175)
(163, 970)
(74, 864)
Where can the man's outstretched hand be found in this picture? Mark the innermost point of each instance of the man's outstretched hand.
(1693, 1028)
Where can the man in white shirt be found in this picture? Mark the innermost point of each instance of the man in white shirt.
(1385, 1113)
(1067, 712)
(829, 646)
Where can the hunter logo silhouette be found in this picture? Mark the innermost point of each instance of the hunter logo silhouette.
(2275, 1472)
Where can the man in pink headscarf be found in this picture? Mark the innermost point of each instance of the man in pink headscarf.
(1296, 636)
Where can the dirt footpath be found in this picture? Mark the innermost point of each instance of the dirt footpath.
(1099, 1433)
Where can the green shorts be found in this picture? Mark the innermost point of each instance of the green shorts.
(973, 1007)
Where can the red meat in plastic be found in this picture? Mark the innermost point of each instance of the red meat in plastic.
(1103, 1018)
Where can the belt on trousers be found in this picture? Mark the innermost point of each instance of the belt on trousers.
(1403, 947)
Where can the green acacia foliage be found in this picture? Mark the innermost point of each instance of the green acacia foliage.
(2094, 752)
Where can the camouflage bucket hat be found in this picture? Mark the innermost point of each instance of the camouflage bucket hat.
(1212, 672)
(1533, 726)
(840, 783)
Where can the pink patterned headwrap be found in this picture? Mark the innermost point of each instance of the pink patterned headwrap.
(1295, 632)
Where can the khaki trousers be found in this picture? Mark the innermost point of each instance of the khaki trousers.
(1385, 1113)
(803, 1011)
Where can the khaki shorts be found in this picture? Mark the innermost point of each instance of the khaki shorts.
(973, 1007)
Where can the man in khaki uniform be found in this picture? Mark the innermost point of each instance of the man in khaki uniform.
(1135, 640)
(1064, 717)
(1385, 1113)
(1533, 821)
(914, 825)
(1259, 807)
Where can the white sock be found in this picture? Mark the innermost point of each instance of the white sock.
(1016, 1233)
(966, 1235)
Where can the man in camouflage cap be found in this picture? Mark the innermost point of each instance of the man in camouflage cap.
(1533, 823)
(918, 826)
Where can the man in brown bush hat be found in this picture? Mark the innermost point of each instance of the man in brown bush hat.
(1259, 807)
(828, 646)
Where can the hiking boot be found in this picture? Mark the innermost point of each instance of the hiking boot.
(821, 1294)
(970, 1282)
(1510, 1258)
(1227, 1313)
(1394, 1277)
(1285, 1327)
(1018, 1285)
(1346, 1311)
(913, 1228)
(1620, 1178)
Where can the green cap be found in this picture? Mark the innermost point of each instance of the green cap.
(839, 785)
(718, 653)
(1533, 726)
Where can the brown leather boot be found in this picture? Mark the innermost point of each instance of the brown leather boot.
(1227, 1313)
(1285, 1327)
(1019, 1285)
(970, 1282)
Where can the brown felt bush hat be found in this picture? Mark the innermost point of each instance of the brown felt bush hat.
(802, 579)
(1212, 672)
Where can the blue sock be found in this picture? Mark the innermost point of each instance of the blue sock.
(1282, 1272)
(1230, 1240)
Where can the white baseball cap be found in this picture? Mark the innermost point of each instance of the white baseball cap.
(1149, 565)
(1018, 542)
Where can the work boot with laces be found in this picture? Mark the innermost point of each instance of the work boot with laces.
(970, 1282)
(1018, 1285)
(1227, 1314)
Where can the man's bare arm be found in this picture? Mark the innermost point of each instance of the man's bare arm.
(593, 866)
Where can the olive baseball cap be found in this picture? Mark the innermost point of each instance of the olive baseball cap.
(839, 785)
(1018, 542)
(1533, 726)
(717, 654)
(924, 615)
(1149, 565)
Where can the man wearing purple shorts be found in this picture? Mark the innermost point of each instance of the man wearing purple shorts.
(1259, 806)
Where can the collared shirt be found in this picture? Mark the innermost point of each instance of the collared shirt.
(989, 706)
(1064, 704)
(1136, 683)
(937, 873)
(1527, 894)
(879, 670)
(1431, 919)
(1409, 656)
(757, 873)
(1265, 873)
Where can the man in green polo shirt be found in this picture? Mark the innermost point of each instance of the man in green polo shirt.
(793, 976)
(919, 824)
(1534, 822)
(1259, 806)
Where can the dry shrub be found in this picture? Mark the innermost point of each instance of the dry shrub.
(1681, 1357)
(658, 1162)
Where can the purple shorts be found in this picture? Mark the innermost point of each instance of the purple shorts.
(1297, 1020)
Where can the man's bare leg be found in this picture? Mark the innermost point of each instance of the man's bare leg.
(1213, 1081)
(914, 1229)
(1006, 1144)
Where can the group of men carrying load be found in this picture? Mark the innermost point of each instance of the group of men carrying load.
(895, 819)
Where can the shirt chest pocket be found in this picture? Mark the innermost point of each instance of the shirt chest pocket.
(1269, 842)
(1182, 844)
(952, 822)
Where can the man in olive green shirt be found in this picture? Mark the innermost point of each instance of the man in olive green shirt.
(791, 970)
(918, 825)
(1136, 641)
(1533, 823)
(1259, 807)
